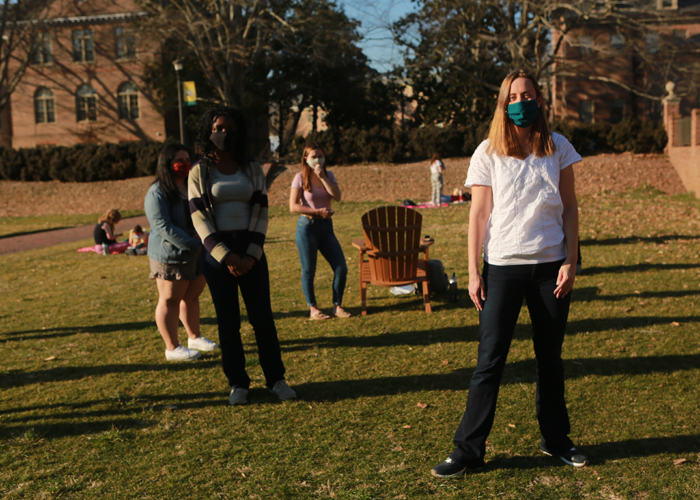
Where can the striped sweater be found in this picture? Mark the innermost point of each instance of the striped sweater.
(201, 207)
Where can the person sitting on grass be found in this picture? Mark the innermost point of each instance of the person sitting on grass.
(104, 231)
(138, 241)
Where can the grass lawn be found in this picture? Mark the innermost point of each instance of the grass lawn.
(14, 226)
(90, 409)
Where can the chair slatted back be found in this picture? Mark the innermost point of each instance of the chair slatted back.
(393, 239)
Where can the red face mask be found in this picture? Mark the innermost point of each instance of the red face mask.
(182, 168)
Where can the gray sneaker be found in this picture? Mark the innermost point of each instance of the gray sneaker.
(238, 396)
(283, 391)
(181, 353)
(202, 344)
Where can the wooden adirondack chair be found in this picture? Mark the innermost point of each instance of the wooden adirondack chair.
(392, 245)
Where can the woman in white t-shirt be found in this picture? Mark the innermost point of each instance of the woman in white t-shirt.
(524, 215)
(313, 190)
(437, 168)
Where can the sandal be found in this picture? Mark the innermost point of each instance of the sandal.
(341, 314)
(319, 316)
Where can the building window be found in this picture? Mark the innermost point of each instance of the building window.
(585, 111)
(651, 43)
(617, 41)
(128, 97)
(125, 43)
(86, 104)
(667, 4)
(617, 110)
(44, 106)
(83, 46)
(585, 46)
(42, 49)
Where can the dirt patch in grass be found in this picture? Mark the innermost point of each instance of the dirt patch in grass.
(373, 182)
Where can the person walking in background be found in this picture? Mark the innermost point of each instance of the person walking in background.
(228, 201)
(313, 190)
(174, 256)
(437, 168)
(524, 215)
(104, 233)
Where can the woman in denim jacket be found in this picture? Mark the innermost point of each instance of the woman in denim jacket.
(174, 255)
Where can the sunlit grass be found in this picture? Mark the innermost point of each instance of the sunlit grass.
(107, 417)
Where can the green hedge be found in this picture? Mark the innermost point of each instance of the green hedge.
(80, 163)
(636, 136)
(354, 145)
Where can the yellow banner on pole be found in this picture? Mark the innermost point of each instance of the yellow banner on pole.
(190, 93)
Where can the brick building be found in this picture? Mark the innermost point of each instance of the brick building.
(84, 81)
(607, 71)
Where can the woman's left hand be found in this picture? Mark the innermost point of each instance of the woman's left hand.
(318, 170)
(565, 280)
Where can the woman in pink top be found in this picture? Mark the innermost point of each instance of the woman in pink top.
(312, 191)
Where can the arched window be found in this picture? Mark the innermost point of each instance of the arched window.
(86, 104)
(44, 106)
(128, 98)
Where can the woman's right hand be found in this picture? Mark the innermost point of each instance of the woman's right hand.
(477, 292)
(324, 213)
(236, 265)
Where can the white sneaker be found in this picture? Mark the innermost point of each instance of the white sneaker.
(202, 344)
(181, 353)
(283, 391)
(238, 396)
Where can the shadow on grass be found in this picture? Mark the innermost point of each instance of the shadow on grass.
(635, 268)
(602, 453)
(47, 333)
(638, 239)
(62, 373)
(589, 294)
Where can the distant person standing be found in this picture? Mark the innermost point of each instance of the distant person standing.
(174, 256)
(313, 190)
(437, 168)
(524, 215)
(228, 201)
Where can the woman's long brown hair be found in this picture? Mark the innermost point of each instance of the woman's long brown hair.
(111, 217)
(306, 169)
(502, 138)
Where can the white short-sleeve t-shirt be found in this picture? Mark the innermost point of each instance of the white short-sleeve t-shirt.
(525, 226)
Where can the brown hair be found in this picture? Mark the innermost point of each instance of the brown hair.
(306, 169)
(436, 156)
(137, 229)
(111, 217)
(502, 138)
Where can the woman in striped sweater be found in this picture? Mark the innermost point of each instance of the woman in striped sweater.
(228, 201)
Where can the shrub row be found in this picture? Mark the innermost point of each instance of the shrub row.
(354, 145)
(391, 146)
(636, 136)
(109, 161)
(80, 163)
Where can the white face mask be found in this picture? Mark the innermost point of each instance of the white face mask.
(316, 161)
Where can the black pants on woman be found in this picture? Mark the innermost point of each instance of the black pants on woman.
(506, 287)
(255, 290)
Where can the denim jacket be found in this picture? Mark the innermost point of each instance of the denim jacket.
(169, 241)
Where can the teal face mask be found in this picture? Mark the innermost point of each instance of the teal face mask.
(523, 113)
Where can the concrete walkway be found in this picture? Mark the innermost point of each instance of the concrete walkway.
(44, 239)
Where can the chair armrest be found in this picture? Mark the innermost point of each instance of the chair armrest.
(359, 243)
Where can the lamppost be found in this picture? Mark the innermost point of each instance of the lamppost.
(177, 64)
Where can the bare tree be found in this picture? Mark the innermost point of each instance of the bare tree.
(228, 37)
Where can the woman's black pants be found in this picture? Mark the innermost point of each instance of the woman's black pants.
(506, 287)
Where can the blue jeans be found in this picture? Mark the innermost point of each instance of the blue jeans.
(255, 290)
(506, 286)
(314, 235)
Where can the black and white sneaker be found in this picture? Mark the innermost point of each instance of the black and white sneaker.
(572, 457)
(450, 468)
